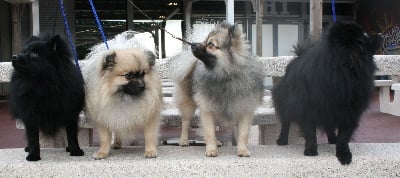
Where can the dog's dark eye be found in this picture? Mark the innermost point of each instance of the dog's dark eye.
(212, 45)
(363, 39)
(133, 75)
(129, 75)
(141, 74)
(34, 56)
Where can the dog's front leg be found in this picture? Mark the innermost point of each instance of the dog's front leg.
(309, 131)
(151, 136)
(284, 134)
(72, 137)
(105, 143)
(32, 135)
(187, 108)
(244, 126)
(342, 145)
(207, 119)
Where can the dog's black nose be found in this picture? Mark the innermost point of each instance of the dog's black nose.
(140, 87)
(194, 45)
(15, 58)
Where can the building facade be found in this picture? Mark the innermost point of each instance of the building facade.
(284, 22)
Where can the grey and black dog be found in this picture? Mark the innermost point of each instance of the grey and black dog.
(225, 82)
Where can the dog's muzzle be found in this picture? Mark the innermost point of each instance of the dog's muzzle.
(134, 88)
(199, 50)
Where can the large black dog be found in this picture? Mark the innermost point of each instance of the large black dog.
(328, 85)
(46, 92)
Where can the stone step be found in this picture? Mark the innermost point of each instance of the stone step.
(369, 160)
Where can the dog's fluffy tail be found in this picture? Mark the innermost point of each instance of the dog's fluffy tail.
(303, 46)
(180, 65)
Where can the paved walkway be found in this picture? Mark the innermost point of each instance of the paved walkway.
(369, 160)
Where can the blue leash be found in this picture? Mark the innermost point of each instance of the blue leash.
(98, 23)
(69, 34)
(333, 10)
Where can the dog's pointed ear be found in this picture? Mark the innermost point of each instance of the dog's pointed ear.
(33, 38)
(234, 31)
(236, 38)
(109, 60)
(57, 45)
(151, 57)
(54, 43)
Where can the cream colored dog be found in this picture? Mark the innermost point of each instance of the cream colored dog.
(123, 96)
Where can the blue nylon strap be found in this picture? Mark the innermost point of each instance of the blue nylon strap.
(98, 23)
(69, 34)
(333, 10)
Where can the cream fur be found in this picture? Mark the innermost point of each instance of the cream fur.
(122, 114)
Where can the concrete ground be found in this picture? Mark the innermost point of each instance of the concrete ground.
(369, 160)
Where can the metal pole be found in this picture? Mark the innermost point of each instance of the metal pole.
(259, 24)
(35, 18)
(315, 18)
(230, 11)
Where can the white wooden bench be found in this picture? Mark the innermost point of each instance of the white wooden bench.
(265, 117)
(386, 104)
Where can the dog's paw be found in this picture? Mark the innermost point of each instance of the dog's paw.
(33, 157)
(310, 152)
(99, 155)
(26, 149)
(150, 154)
(344, 157)
(281, 141)
(211, 153)
(116, 146)
(76, 152)
(243, 153)
(184, 142)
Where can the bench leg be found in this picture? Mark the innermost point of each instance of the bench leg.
(396, 103)
(387, 106)
(384, 99)
(85, 138)
(269, 133)
(58, 141)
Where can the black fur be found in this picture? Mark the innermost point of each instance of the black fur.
(199, 50)
(328, 86)
(46, 92)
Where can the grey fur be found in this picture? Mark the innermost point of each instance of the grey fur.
(224, 80)
(230, 93)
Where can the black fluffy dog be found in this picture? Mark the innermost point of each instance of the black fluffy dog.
(328, 86)
(46, 92)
